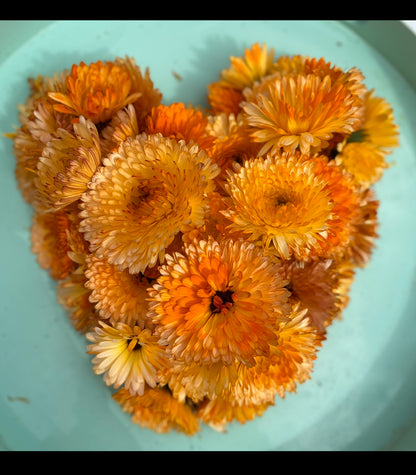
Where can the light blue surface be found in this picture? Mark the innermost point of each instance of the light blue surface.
(363, 388)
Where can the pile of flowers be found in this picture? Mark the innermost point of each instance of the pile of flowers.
(203, 251)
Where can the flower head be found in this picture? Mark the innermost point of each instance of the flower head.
(364, 161)
(314, 286)
(49, 236)
(379, 127)
(217, 302)
(280, 202)
(95, 91)
(117, 294)
(142, 196)
(126, 356)
(158, 410)
(301, 112)
(226, 94)
(180, 122)
(67, 164)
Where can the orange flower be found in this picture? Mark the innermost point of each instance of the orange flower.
(180, 122)
(96, 91)
(280, 202)
(301, 111)
(194, 381)
(49, 236)
(74, 298)
(314, 286)
(121, 126)
(67, 164)
(117, 294)
(364, 230)
(142, 196)
(218, 412)
(346, 200)
(157, 410)
(225, 95)
(232, 145)
(217, 302)
(244, 71)
(141, 83)
(223, 98)
(379, 127)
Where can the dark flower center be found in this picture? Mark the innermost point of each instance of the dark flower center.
(222, 301)
(137, 345)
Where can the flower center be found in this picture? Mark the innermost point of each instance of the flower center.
(133, 344)
(222, 301)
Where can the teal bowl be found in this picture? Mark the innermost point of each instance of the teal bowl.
(362, 393)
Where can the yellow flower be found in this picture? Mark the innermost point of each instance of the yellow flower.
(244, 71)
(126, 356)
(280, 202)
(364, 161)
(379, 127)
(67, 164)
(225, 95)
(300, 112)
(142, 196)
(157, 410)
(217, 302)
(117, 294)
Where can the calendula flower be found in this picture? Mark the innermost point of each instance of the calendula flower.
(217, 302)
(280, 202)
(218, 412)
(314, 287)
(290, 362)
(67, 164)
(232, 144)
(256, 63)
(379, 127)
(223, 98)
(364, 230)
(142, 196)
(117, 294)
(180, 122)
(364, 161)
(346, 199)
(121, 126)
(158, 410)
(225, 95)
(301, 112)
(195, 382)
(72, 293)
(49, 237)
(27, 151)
(39, 127)
(73, 296)
(129, 356)
(96, 91)
(215, 223)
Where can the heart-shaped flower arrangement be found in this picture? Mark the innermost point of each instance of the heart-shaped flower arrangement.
(203, 251)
